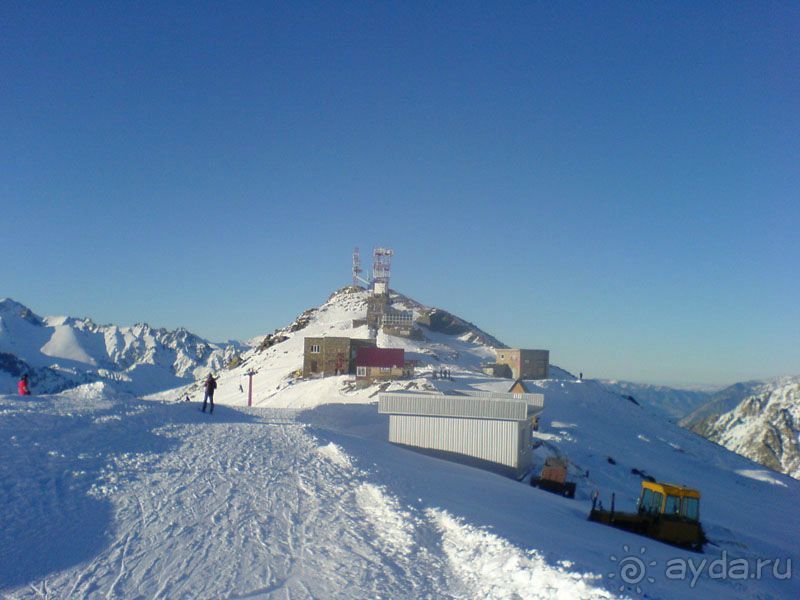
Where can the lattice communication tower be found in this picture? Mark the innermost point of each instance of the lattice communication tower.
(357, 270)
(382, 266)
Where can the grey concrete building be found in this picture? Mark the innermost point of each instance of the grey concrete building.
(486, 429)
(377, 305)
(495, 370)
(524, 364)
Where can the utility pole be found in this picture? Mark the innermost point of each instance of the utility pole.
(250, 374)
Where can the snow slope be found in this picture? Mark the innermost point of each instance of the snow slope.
(301, 496)
(63, 352)
(108, 496)
(275, 366)
(156, 500)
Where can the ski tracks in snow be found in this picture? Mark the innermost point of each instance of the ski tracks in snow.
(246, 510)
(254, 507)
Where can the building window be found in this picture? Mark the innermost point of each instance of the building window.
(385, 369)
(398, 319)
(314, 348)
(361, 371)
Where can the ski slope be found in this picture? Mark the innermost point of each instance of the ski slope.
(109, 496)
(301, 496)
(124, 498)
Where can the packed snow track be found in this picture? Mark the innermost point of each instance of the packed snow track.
(120, 498)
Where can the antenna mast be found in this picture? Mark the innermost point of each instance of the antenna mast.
(381, 269)
(356, 266)
(357, 270)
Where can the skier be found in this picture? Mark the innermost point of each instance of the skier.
(22, 386)
(210, 385)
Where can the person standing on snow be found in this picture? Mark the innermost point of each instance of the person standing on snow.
(210, 385)
(22, 386)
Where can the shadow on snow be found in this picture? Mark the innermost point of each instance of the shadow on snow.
(56, 453)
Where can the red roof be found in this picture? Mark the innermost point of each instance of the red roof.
(380, 357)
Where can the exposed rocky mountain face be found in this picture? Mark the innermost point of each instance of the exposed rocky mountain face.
(672, 403)
(61, 352)
(757, 419)
(440, 321)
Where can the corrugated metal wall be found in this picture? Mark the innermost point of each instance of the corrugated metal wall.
(452, 406)
(503, 442)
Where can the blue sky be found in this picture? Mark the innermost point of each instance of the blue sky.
(617, 182)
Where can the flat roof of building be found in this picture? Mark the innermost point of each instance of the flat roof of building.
(464, 404)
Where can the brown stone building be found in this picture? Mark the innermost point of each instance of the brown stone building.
(524, 364)
(324, 356)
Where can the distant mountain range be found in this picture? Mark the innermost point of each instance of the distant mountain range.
(61, 352)
(672, 403)
(757, 419)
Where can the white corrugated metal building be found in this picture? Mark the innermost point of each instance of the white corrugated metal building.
(488, 429)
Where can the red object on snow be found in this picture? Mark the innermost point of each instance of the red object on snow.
(380, 357)
(22, 388)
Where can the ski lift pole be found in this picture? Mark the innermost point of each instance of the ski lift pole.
(250, 374)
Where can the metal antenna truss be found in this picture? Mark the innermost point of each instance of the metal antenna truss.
(382, 265)
(357, 270)
(356, 266)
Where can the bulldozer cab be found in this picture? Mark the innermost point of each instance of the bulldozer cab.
(669, 500)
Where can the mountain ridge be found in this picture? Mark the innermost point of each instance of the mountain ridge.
(59, 352)
(757, 419)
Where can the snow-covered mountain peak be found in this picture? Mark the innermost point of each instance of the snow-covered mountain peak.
(758, 419)
(62, 352)
(12, 309)
(440, 340)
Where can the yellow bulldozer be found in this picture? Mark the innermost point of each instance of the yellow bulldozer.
(665, 512)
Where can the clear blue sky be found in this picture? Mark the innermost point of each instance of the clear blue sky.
(618, 182)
